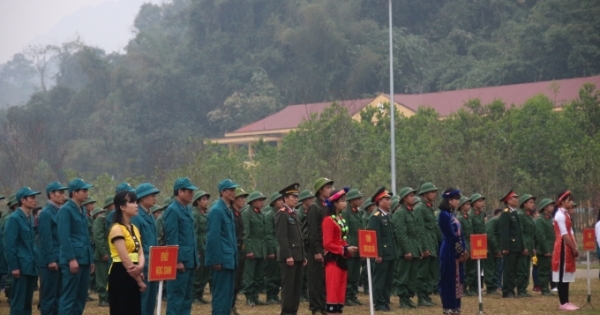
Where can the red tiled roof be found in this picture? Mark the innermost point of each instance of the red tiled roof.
(291, 116)
(448, 102)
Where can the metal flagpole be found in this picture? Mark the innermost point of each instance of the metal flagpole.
(392, 104)
(370, 286)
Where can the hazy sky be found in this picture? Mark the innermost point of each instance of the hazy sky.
(103, 23)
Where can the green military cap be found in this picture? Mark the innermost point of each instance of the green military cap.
(524, 198)
(108, 201)
(395, 201)
(476, 197)
(156, 208)
(145, 189)
(463, 200)
(124, 186)
(305, 194)
(240, 192)
(322, 182)
(274, 197)
(12, 200)
(255, 195)
(55, 186)
(545, 202)
(416, 201)
(353, 194)
(508, 195)
(25, 192)
(367, 203)
(427, 187)
(88, 201)
(167, 201)
(199, 194)
(97, 211)
(183, 183)
(405, 192)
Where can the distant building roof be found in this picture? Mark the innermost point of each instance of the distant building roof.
(448, 102)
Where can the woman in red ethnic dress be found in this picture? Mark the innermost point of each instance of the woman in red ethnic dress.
(336, 251)
(565, 250)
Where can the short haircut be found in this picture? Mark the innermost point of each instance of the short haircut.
(497, 211)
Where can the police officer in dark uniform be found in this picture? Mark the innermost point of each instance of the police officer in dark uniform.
(291, 251)
(511, 242)
(383, 270)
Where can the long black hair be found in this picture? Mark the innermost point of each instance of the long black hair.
(121, 199)
(446, 197)
(559, 200)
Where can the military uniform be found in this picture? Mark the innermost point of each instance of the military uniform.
(528, 235)
(101, 254)
(353, 219)
(511, 240)
(363, 280)
(545, 237)
(3, 266)
(408, 227)
(12, 204)
(272, 272)
(429, 267)
(202, 275)
(478, 225)
(466, 224)
(383, 273)
(491, 263)
(255, 243)
(291, 245)
(90, 221)
(239, 235)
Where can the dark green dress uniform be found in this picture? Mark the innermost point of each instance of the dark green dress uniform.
(301, 212)
(21, 254)
(408, 227)
(545, 237)
(383, 273)
(511, 240)
(429, 267)
(528, 235)
(255, 243)
(100, 235)
(466, 225)
(202, 275)
(315, 270)
(492, 261)
(75, 244)
(291, 245)
(272, 272)
(354, 223)
(239, 236)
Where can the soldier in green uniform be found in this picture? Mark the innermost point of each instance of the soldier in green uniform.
(383, 270)
(290, 253)
(236, 206)
(272, 272)
(160, 235)
(511, 243)
(366, 210)
(89, 205)
(525, 213)
(545, 237)
(306, 199)
(353, 217)
(429, 267)
(494, 254)
(200, 215)
(408, 228)
(316, 273)
(21, 252)
(395, 204)
(255, 246)
(467, 228)
(12, 206)
(3, 267)
(477, 216)
(101, 254)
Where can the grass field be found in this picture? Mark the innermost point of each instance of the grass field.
(493, 305)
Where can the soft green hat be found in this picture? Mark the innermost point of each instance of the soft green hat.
(476, 197)
(167, 201)
(305, 194)
(524, 198)
(322, 182)
(395, 201)
(255, 195)
(108, 201)
(274, 196)
(12, 200)
(97, 210)
(239, 192)
(405, 192)
(88, 201)
(353, 194)
(463, 200)
(416, 201)
(545, 202)
(199, 194)
(427, 187)
(156, 208)
(367, 203)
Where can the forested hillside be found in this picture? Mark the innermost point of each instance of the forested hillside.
(197, 68)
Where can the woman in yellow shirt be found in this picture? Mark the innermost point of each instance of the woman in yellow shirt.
(125, 279)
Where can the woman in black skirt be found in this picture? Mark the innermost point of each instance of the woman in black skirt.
(125, 279)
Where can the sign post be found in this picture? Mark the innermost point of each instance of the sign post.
(479, 252)
(162, 266)
(589, 244)
(367, 248)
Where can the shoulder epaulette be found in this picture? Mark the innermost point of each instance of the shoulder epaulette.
(377, 213)
(282, 209)
(506, 210)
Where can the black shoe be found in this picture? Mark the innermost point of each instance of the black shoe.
(355, 300)
(508, 295)
(349, 302)
(387, 307)
(523, 294)
(381, 309)
(272, 301)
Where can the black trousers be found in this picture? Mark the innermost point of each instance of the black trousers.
(291, 287)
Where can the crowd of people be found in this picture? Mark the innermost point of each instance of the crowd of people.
(294, 246)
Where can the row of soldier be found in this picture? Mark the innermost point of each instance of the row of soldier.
(406, 226)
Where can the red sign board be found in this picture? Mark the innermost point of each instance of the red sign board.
(478, 246)
(163, 263)
(367, 243)
(589, 239)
